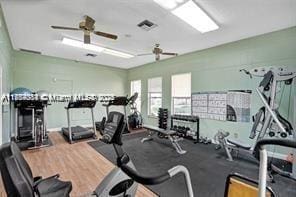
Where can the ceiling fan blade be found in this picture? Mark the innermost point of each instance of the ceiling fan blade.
(65, 28)
(89, 22)
(144, 54)
(165, 53)
(107, 35)
(86, 38)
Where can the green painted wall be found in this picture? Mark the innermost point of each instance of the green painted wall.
(38, 72)
(5, 64)
(217, 69)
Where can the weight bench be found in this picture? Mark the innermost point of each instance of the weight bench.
(167, 133)
(230, 145)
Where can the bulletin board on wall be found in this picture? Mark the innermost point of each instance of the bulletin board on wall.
(232, 105)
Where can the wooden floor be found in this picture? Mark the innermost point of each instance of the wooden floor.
(77, 162)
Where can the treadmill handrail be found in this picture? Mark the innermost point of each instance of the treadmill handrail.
(160, 178)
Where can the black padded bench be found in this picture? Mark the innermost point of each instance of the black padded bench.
(170, 134)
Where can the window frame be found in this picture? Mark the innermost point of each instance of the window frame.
(181, 97)
(139, 99)
(150, 97)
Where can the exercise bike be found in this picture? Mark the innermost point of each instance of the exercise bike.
(123, 180)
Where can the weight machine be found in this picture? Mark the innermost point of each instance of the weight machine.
(268, 120)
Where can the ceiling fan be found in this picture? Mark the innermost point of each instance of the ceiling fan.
(87, 26)
(157, 52)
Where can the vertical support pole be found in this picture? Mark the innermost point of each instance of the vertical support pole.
(69, 124)
(294, 128)
(33, 127)
(93, 122)
(126, 118)
(44, 123)
(197, 130)
(107, 110)
(262, 172)
(16, 123)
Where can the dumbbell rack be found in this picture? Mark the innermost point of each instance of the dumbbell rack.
(189, 120)
(163, 118)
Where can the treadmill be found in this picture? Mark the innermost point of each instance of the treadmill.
(79, 132)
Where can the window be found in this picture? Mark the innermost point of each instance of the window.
(154, 95)
(181, 94)
(136, 87)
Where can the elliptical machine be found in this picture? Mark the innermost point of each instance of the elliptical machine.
(119, 101)
(135, 119)
(122, 181)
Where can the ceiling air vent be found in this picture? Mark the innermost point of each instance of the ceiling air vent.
(30, 51)
(147, 25)
(90, 55)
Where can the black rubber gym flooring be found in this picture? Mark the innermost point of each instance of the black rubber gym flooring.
(208, 167)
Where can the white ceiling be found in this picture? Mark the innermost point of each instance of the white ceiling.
(29, 24)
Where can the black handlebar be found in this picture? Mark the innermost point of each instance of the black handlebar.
(280, 142)
(142, 179)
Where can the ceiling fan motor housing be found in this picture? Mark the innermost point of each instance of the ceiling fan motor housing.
(82, 26)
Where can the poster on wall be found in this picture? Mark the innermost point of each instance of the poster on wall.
(225, 106)
(210, 105)
(238, 106)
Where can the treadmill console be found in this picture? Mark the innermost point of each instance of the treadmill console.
(113, 128)
(82, 104)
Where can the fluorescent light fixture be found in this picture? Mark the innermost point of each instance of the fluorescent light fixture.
(117, 53)
(79, 44)
(168, 4)
(92, 47)
(195, 16)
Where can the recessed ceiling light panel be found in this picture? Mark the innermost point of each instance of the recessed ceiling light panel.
(117, 53)
(168, 4)
(79, 44)
(195, 16)
(96, 48)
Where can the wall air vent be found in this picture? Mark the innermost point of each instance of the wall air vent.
(90, 55)
(147, 25)
(31, 51)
